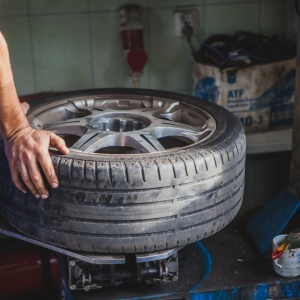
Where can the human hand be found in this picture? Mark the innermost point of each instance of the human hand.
(27, 152)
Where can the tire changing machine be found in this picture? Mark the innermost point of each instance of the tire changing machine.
(223, 266)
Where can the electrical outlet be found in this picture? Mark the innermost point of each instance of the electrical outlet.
(185, 17)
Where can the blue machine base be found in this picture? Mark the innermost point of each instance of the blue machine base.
(272, 220)
(263, 291)
(231, 270)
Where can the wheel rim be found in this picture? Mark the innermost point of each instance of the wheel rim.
(124, 124)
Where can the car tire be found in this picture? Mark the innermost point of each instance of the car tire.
(136, 202)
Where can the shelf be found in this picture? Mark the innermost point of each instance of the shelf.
(272, 141)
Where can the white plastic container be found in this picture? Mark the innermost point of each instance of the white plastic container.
(288, 265)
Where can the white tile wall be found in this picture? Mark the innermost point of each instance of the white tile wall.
(75, 44)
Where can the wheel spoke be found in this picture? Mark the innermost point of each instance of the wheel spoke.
(170, 112)
(93, 140)
(163, 128)
(76, 126)
(145, 142)
(167, 131)
(177, 115)
(86, 104)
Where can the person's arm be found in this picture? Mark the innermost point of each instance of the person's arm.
(26, 149)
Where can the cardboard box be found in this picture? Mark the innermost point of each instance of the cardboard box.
(261, 96)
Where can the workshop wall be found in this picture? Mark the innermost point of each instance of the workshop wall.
(61, 45)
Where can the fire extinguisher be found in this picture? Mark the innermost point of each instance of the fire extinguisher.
(26, 270)
(132, 39)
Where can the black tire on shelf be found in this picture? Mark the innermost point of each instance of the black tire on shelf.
(135, 202)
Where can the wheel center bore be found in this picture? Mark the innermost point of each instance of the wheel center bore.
(119, 122)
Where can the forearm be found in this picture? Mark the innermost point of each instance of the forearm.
(12, 118)
(26, 149)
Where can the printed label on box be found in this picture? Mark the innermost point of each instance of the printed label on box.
(261, 96)
(256, 120)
